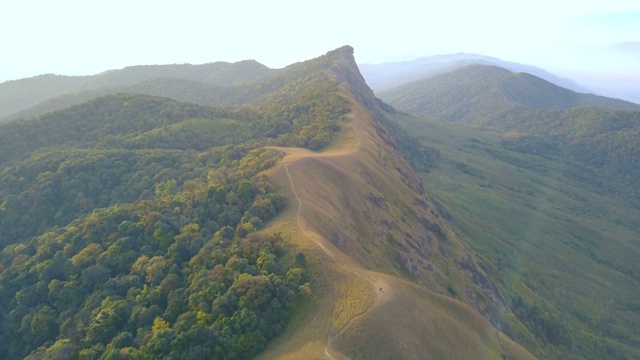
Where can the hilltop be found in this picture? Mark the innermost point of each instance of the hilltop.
(384, 253)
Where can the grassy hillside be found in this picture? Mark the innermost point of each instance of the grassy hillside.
(564, 253)
(378, 252)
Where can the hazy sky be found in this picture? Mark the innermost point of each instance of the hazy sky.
(87, 37)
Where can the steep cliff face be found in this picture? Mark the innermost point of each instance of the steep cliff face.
(345, 69)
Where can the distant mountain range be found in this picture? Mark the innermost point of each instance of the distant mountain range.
(37, 95)
(388, 75)
(482, 92)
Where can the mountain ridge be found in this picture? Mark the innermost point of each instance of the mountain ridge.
(319, 208)
(178, 201)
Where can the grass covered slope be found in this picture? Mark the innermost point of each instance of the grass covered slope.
(363, 221)
(563, 251)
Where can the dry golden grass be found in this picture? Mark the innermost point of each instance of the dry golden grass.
(418, 324)
(331, 219)
(354, 297)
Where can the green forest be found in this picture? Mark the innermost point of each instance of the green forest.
(131, 225)
(182, 274)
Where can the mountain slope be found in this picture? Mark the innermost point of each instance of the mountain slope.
(128, 225)
(357, 227)
(563, 251)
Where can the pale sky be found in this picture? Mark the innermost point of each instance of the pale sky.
(90, 36)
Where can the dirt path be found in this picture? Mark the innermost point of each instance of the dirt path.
(376, 281)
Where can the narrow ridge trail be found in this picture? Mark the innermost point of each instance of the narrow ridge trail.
(329, 349)
(348, 146)
(332, 190)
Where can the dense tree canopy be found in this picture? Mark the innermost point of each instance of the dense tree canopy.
(180, 272)
(130, 225)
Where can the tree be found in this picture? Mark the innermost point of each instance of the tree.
(44, 325)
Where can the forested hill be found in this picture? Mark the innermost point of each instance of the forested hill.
(53, 92)
(393, 74)
(129, 224)
(487, 91)
(131, 120)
